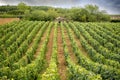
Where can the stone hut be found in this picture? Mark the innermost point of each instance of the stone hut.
(60, 19)
(115, 17)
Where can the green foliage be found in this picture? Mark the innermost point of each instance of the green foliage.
(39, 15)
(90, 13)
(105, 71)
(76, 72)
(52, 14)
(7, 16)
(4, 9)
(27, 15)
(52, 71)
(19, 42)
(79, 14)
(44, 8)
(22, 6)
(16, 12)
(92, 9)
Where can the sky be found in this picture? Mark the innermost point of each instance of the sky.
(111, 6)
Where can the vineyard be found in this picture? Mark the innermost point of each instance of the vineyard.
(39, 50)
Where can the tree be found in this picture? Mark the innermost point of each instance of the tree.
(92, 9)
(75, 14)
(95, 14)
(92, 18)
(22, 6)
(27, 15)
(79, 14)
(52, 14)
(39, 15)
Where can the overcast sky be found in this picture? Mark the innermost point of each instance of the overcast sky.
(111, 6)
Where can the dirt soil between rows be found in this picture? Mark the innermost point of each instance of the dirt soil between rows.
(49, 46)
(61, 59)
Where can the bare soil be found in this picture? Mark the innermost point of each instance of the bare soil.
(80, 46)
(70, 49)
(49, 46)
(40, 43)
(48, 53)
(7, 20)
(60, 56)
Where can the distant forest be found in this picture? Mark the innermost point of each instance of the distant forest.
(90, 13)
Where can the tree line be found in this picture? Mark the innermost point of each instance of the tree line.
(89, 13)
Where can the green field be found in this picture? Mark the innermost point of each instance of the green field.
(39, 50)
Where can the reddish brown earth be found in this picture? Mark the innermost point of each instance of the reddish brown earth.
(48, 53)
(40, 43)
(49, 46)
(61, 58)
(79, 45)
(70, 49)
(7, 20)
